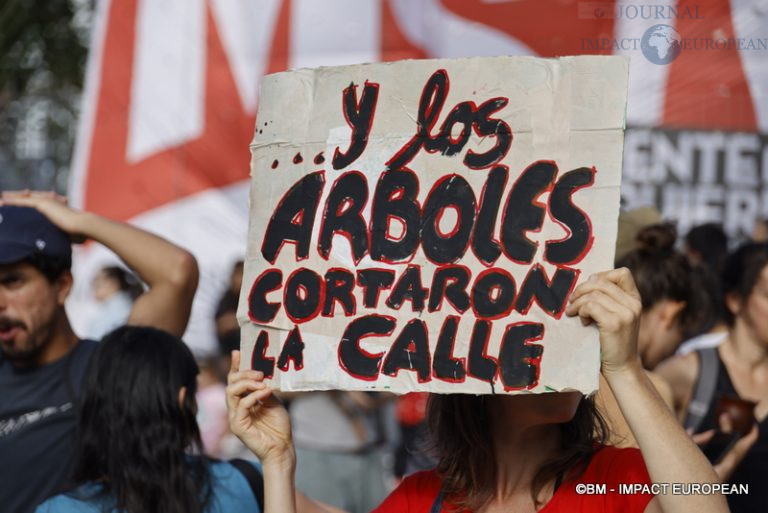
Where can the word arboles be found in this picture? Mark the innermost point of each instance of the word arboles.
(398, 225)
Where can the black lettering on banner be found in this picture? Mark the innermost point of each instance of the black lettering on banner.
(519, 360)
(293, 218)
(293, 350)
(430, 104)
(450, 281)
(343, 215)
(523, 213)
(357, 362)
(259, 359)
(551, 295)
(303, 295)
(408, 287)
(574, 246)
(486, 126)
(259, 309)
(462, 114)
(484, 246)
(410, 351)
(493, 294)
(395, 197)
(373, 281)
(359, 116)
(339, 286)
(465, 114)
(450, 191)
(480, 365)
(444, 365)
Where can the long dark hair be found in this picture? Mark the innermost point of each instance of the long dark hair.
(133, 433)
(461, 439)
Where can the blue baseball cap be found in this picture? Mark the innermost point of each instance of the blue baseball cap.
(25, 232)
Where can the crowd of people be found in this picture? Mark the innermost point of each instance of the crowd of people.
(129, 420)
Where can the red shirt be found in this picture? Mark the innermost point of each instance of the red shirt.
(609, 465)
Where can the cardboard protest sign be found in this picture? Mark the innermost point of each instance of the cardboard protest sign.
(420, 225)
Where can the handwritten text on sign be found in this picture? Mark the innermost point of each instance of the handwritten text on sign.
(421, 225)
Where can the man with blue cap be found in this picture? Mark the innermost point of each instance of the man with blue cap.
(42, 360)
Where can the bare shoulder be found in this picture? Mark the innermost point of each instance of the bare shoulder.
(680, 372)
(679, 369)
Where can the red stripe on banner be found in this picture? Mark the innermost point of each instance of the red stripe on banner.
(707, 87)
(549, 28)
(394, 44)
(281, 43)
(218, 158)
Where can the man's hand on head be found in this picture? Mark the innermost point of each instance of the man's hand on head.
(53, 206)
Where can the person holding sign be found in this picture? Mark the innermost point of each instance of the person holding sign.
(533, 452)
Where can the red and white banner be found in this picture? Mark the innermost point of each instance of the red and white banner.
(171, 92)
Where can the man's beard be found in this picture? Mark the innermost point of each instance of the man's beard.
(28, 354)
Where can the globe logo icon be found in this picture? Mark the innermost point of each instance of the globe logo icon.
(661, 44)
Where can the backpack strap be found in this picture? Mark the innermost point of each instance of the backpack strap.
(705, 388)
(254, 478)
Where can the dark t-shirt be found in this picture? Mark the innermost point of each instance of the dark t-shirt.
(37, 425)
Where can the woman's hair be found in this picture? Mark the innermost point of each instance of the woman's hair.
(741, 272)
(134, 431)
(661, 272)
(710, 241)
(461, 439)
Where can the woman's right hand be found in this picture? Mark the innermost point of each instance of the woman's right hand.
(257, 417)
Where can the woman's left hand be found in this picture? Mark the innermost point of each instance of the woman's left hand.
(257, 417)
(611, 300)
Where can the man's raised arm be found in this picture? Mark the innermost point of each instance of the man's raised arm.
(170, 272)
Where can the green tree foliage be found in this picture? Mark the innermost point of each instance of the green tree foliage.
(42, 61)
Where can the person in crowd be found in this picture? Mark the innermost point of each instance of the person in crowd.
(339, 436)
(218, 441)
(528, 452)
(675, 303)
(115, 289)
(139, 445)
(226, 309)
(225, 319)
(42, 360)
(702, 381)
(706, 247)
(760, 230)
(672, 306)
(212, 409)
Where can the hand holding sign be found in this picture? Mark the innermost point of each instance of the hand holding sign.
(257, 417)
(438, 246)
(612, 301)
